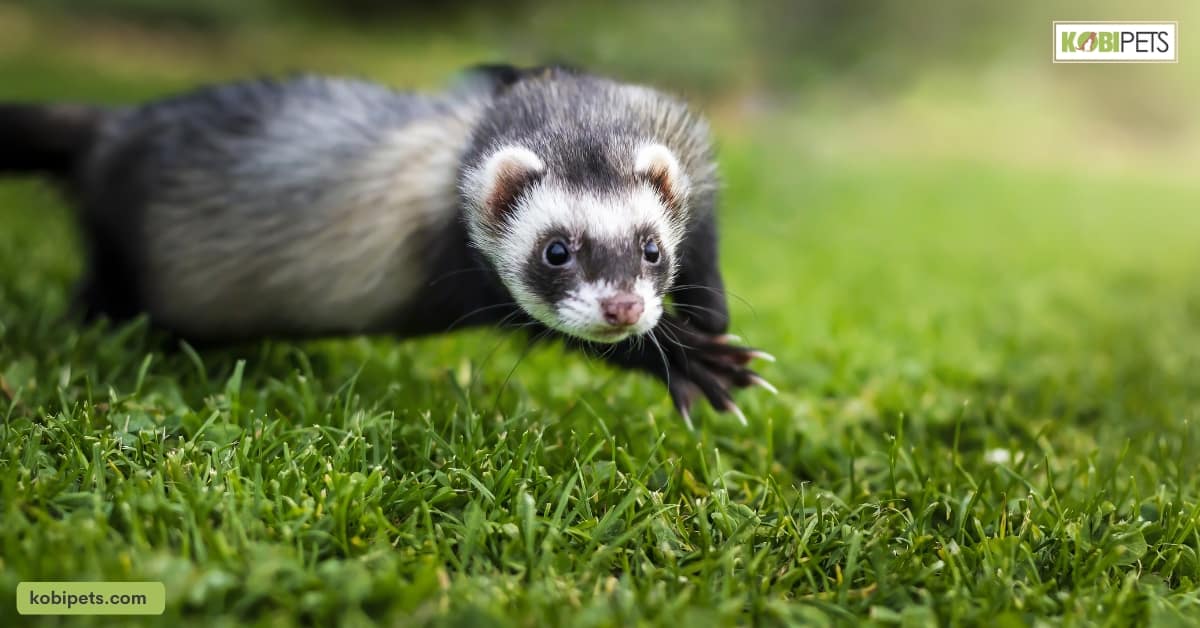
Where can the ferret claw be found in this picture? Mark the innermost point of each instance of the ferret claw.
(687, 419)
(732, 407)
(762, 355)
(762, 383)
(709, 366)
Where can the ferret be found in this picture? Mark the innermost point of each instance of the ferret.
(544, 198)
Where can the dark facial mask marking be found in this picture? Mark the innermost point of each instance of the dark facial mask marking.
(619, 263)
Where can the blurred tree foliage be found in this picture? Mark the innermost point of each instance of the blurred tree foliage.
(776, 45)
(884, 41)
(207, 15)
(409, 9)
(702, 45)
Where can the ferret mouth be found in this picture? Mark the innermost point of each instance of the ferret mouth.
(613, 335)
(584, 319)
(605, 335)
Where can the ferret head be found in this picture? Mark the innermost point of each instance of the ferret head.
(586, 242)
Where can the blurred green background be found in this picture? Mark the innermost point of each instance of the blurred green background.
(978, 270)
(957, 80)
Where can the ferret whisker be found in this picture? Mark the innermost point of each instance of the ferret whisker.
(662, 354)
(454, 273)
(483, 309)
(521, 358)
(670, 328)
(698, 308)
(673, 289)
(506, 333)
(505, 325)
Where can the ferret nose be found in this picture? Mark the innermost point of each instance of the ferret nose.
(622, 310)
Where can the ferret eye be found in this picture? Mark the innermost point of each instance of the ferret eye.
(557, 253)
(650, 251)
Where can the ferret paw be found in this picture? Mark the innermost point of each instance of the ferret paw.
(713, 367)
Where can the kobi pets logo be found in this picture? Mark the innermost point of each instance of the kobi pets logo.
(1116, 42)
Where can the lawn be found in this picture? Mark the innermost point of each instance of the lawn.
(989, 377)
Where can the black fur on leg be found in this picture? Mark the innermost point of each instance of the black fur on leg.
(700, 292)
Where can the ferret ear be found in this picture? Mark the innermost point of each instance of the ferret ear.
(508, 172)
(657, 165)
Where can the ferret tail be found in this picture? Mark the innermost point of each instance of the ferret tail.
(46, 139)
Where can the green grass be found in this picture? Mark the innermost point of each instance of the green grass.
(990, 389)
